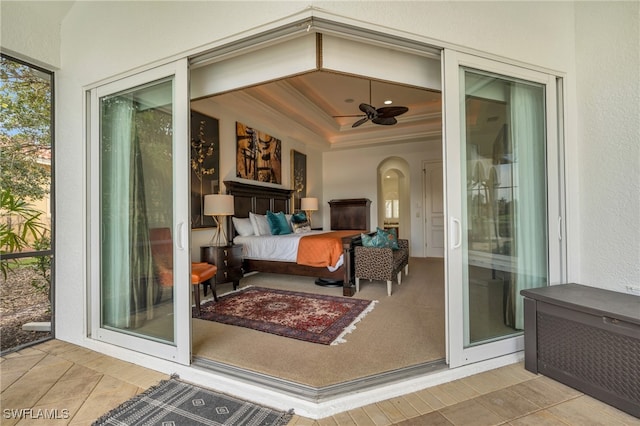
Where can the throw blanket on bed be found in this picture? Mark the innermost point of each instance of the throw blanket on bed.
(322, 249)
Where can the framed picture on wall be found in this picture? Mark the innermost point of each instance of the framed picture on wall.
(298, 177)
(205, 163)
(258, 155)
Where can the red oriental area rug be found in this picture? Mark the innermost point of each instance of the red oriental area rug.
(310, 317)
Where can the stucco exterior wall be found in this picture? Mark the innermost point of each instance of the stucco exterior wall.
(31, 30)
(608, 144)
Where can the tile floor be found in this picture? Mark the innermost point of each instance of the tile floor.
(77, 385)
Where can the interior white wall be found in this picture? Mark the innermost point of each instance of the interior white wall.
(594, 45)
(608, 150)
(354, 174)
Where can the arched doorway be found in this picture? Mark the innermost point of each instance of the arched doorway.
(393, 195)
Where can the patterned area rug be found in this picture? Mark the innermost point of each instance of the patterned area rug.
(310, 317)
(175, 403)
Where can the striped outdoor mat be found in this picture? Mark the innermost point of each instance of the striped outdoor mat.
(176, 403)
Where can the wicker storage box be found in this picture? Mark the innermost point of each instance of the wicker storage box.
(587, 338)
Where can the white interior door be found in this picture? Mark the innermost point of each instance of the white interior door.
(433, 209)
(502, 200)
(139, 208)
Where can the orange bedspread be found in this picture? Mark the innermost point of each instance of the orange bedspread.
(322, 249)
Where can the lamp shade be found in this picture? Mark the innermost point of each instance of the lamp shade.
(218, 205)
(309, 204)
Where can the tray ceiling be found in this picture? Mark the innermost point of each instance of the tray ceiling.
(312, 108)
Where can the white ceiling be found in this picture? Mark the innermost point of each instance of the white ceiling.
(311, 107)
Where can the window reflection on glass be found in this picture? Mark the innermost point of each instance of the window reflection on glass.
(506, 205)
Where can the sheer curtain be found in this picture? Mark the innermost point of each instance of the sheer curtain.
(127, 277)
(143, 286)
(117, 136)
(530, 216)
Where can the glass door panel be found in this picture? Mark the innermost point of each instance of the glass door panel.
(136, 198)
(504, 179)
(502, 188)
(139, 244)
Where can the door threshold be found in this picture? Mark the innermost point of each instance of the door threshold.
(318, 394)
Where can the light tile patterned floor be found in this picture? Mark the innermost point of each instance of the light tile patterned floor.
(76, 385)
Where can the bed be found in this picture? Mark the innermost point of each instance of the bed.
(257, 199)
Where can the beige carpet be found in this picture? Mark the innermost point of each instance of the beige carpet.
(403, 330)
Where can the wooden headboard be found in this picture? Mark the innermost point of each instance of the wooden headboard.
(256, 199)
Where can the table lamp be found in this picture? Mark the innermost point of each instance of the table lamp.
(218, 206)
(309, 205)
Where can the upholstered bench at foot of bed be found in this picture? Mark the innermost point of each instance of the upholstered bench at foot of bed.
(383, 264)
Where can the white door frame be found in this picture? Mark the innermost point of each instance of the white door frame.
(457, 354)
(180, 350)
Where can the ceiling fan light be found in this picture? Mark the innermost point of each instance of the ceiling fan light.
(388, 102)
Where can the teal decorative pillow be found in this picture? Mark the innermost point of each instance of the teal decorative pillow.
(278, 223)
(367, 240)
(374, 240)
(390, 237)
(299, 217)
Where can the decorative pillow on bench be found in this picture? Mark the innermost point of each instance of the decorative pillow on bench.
(381, 239)
(391, 236)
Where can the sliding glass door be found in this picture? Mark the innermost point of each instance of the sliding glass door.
(140, 235)
(502, 182)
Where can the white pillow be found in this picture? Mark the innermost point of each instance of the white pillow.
(260, 224)
(243, 226)
(254, 223)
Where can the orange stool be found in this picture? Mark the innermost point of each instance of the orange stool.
(162, 252)
(201, 273)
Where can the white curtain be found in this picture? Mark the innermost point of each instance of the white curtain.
(530, 196)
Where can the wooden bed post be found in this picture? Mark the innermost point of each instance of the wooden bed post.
(349, 286)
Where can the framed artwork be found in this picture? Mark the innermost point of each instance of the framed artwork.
(258, 155)
(205, 163)
(298, 177)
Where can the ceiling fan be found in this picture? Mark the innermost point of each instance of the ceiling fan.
(385, 115)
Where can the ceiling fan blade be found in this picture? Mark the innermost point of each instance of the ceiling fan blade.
(359, 122)
(387, 112)
(368, 109)
(385, 121)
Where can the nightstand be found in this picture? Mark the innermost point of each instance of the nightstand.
(228, 259)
